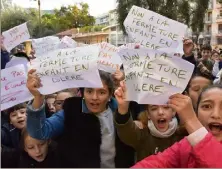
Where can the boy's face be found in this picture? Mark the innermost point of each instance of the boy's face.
(18, 118)
(37, 149)
(206, 54)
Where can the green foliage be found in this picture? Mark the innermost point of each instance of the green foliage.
(76, 16)
(198, 15)
(92, 28)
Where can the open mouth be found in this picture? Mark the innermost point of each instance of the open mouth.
(94, 105)
(161, 121)
(215, 128)
(21, 121)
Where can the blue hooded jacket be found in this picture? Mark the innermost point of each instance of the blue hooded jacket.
(43, 128)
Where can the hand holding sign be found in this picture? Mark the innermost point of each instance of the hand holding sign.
(154, 74)
(120, 95)
(188, 47)
(182, 104)
(68, 68)
(2, 45)
(33, 83)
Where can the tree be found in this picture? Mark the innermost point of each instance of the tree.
(74, 16)
(173, 9)
(198, 15)
(12, 17)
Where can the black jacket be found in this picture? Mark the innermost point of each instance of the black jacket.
(10, 136)
(21, 159)
(190, 59)
(79, 146)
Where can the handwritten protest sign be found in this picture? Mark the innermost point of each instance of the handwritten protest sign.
(152, 76)
(14, 36)
(68, 68)
(67, 42)
(108, 60)
(153, 30)
(44, 45)
(13, 87)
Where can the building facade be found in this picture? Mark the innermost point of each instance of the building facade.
(110, 20)
(213, 24)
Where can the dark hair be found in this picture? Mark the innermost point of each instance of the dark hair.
(214, 51)
(106, 78)
(22, 55)
(194, 76)
(50, 96)
(14, 108)
(205, 90)
(206, 47)
(65, 91)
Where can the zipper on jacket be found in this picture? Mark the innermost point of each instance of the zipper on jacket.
(156, 150)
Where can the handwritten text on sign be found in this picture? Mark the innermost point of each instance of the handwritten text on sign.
(152, 76)
(108, 60)
(68, 68)
(14, 36)
(153, 30)
(13, 87)
(44, 45)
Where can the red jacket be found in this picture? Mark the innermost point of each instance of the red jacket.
(206, 154)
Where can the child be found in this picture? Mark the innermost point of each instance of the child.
(217, 66)
(50, 100)
(195, 86)
(33, 154)
(160, 133)
(60, 98)
(89, 137)
(205, 65)
(215, 56)
(11, 131)
(203, 147)
(218, 79)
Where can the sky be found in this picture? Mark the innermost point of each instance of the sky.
(96, 7)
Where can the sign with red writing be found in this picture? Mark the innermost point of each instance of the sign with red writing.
(14, 36)
(13, 87)
(108, 60)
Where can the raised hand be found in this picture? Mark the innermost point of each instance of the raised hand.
(120, 95)
(188, 47)
(2, 46)
(183, 106)
(33, 83)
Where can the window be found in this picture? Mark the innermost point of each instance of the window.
(219, 41)
(209, 16)
(220, 28)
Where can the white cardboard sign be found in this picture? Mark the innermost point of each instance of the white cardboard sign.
(13, 87)
(68, 68)
(14, 36)
(153, 30)
(152, 76)
(45, 45)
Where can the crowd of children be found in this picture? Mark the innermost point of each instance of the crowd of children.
(97, 127)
